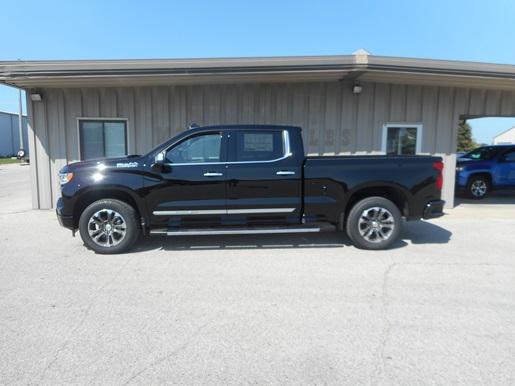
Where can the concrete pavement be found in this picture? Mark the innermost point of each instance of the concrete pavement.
(437, 309)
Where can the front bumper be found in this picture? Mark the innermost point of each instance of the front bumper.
(64, 220)
(433, 209)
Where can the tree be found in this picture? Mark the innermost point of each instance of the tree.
(465, 140)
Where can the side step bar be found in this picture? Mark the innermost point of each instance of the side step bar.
(237, 230)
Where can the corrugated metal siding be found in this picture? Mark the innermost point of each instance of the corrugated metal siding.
(9, 134)
(334, 120)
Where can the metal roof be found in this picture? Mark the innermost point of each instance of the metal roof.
(361, 65)
(11, 113)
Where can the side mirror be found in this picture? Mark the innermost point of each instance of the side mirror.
(159, 158)
(159, 161)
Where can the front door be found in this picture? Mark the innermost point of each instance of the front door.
(190, 188)
(263, 179)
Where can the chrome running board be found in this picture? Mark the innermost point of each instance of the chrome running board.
(236, 230)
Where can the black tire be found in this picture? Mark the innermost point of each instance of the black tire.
(478, 187)
(381, 235)
(114, 243)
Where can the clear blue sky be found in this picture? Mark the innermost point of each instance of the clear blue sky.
(100, 29)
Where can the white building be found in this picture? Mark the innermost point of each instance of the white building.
(505, 138)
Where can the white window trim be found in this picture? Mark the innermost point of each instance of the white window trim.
(126, 120)
(418, 126)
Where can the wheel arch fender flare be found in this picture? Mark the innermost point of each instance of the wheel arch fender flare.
(394, 192)
(475, 173)
(90, 194)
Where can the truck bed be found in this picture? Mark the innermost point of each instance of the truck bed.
(331, 181)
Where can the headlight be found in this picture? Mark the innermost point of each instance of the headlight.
(459, 168)
(65, 177)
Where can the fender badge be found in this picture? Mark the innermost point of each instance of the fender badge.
(127, 165)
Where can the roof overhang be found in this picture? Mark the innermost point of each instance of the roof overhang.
(120, 73)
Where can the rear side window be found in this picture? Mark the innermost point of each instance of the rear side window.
(510, 156)
(258, 146)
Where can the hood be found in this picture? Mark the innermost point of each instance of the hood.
(474, 163)
(129, 161)
(464, 161)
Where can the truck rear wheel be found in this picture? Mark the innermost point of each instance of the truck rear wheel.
(109, 226)
(374, 223)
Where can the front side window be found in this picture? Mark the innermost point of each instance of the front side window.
(199, 149)
(258, 146)
(102, 139)
(402, 140)
(482, 153)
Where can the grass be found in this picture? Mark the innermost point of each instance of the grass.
(8, 160)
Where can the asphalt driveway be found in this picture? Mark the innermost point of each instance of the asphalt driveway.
(437, 309)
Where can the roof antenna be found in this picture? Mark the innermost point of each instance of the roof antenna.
(193, 126)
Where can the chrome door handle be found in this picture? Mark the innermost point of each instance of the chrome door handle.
(285, 173)
(213, 174)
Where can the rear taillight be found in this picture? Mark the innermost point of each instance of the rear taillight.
(438, 166)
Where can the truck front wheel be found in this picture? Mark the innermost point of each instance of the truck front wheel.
(374, 223)
(109, 226)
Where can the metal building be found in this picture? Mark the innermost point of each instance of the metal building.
(10, 134)
(352, 104)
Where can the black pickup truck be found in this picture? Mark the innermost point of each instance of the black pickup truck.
(245, 179)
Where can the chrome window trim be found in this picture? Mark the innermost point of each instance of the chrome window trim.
(220, 211)
(286, 150)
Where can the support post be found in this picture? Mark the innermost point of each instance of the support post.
(20, 121)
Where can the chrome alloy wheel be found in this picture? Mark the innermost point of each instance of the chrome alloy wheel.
(478, 188)
(376, 224)
(107, 228)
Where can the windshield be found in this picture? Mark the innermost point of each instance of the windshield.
(481, 153)
(168, 141)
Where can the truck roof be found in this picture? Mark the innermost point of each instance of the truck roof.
(245, 126)
(199, 129)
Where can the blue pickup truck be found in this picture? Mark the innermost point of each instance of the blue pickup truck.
(485, 169)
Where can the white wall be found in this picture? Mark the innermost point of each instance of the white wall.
(508, 137)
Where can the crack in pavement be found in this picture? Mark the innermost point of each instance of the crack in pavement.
(170, 354)
(385, 303)
(16, 212)
(380, 351)
(92, 302)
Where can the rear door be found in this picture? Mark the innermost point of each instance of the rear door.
(506, 169)
(190, 189)
(263, 178)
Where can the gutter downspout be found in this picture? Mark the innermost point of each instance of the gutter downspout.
(20, 121)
